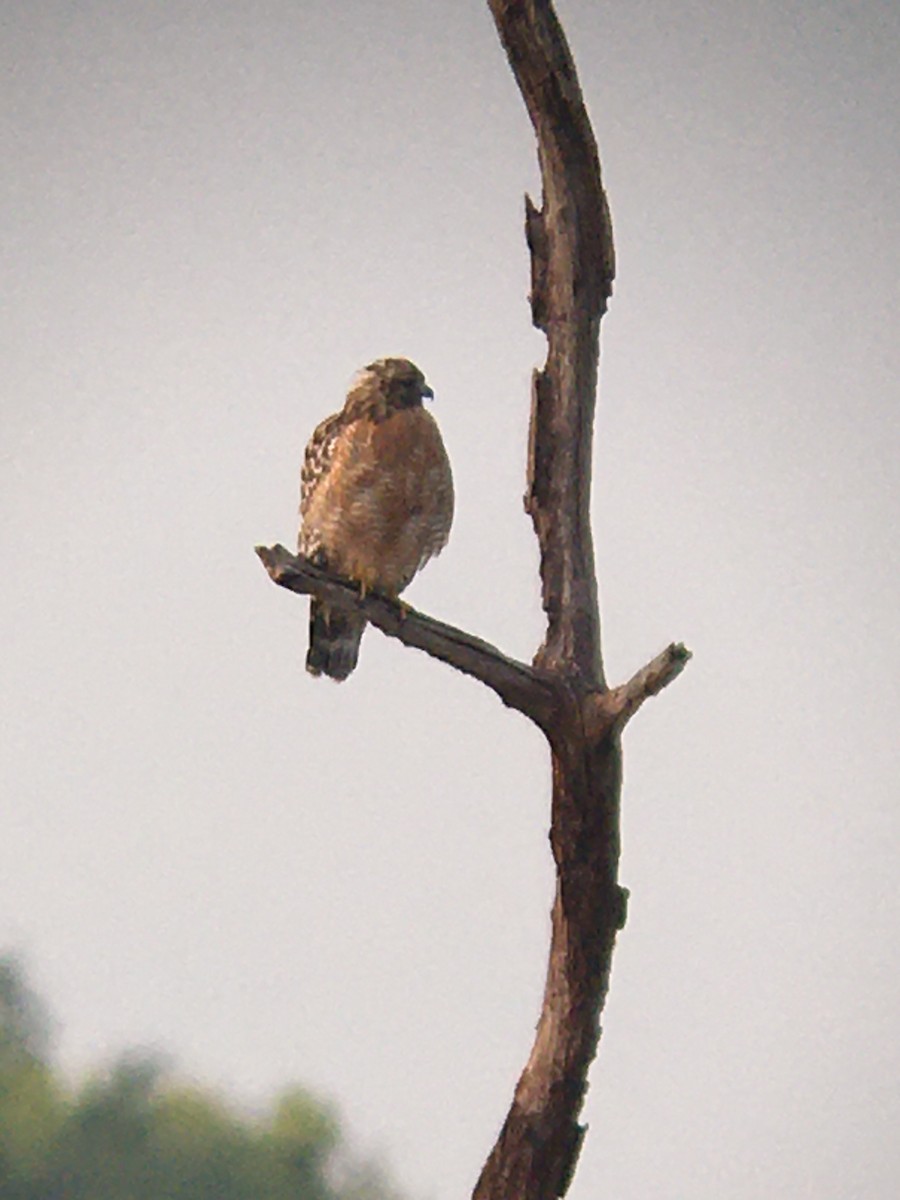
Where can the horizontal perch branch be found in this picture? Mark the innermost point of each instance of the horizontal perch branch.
(527, 689)
(518, 685)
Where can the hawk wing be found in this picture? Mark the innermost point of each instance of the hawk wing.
(334, 636)
(316, 465)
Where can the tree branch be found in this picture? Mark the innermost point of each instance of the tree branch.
(611, 711)
(528, 689)
(565, 691)
(572, 269)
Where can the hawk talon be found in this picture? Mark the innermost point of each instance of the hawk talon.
(391, 597)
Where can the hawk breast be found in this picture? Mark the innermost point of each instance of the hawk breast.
(377, 496)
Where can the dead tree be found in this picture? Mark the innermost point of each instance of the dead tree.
(564, 691)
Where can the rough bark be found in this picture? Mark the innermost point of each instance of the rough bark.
(565, 690)
(573, 264)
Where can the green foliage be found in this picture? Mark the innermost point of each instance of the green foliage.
(132, 1133)
(23, 1022)
(32, 1106)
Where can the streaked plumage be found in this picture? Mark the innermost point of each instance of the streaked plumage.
(376, 500)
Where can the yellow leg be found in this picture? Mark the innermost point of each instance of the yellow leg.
(366, 581)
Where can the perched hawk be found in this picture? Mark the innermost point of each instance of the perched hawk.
(376, 500)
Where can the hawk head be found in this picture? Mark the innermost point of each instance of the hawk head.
(385, 386)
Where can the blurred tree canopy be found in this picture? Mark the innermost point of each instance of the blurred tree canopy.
(134, 1133)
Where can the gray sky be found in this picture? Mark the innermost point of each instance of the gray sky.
(211, 215)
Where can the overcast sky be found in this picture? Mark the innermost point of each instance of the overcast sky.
(213, 214)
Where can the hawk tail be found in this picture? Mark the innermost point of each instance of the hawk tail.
(334, 638)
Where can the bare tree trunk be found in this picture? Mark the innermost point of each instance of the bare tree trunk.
(572, 269)
(564, 691)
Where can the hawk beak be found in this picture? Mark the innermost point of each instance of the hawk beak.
(427, 393)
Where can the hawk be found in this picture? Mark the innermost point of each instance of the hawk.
(376, 500)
